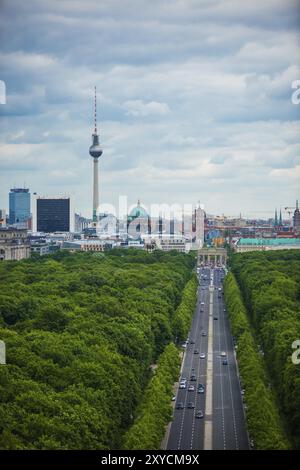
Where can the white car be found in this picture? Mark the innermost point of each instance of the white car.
(182, 385)
(223, 354)
(202, 356)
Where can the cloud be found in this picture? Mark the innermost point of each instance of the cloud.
(140, 108)
(194, 100)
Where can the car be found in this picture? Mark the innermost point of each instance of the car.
(200, 389)
(182, 385)
(173, 397)
(180, 406)
(184, 345)
(202, 356)
(216, 318)
(191, 388)
(191, 405)
(201, 310)
(202, 303)
(192, 341)
(196, 351)
(203, 333)
(193, 378)
(223, 354)
(225, 362)
(199, 414)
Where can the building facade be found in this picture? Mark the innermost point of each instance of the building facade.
(14, 245)
(19, 206)
(296, 219)
(244, 245)
(53, 214)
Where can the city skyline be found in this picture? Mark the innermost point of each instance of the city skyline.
(196, 104)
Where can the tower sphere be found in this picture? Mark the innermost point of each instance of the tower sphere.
(95, 149)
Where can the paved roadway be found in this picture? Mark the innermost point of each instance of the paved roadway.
(223, 425)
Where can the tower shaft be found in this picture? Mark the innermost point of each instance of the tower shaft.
(95, 191)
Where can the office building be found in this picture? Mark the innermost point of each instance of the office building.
(53, 214)
(19, 206)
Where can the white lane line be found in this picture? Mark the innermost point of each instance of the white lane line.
(221, 374)
(195, 318)
(231, 394)
(208, 428)
(199, 366)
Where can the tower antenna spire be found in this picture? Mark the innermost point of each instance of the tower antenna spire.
(95, 111)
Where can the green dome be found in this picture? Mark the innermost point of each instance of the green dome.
(138, 211)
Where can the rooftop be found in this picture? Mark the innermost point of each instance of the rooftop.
(268, 241)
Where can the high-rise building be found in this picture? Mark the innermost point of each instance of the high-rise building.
(296, 218)
(53, 215)
(199, 219)
(95, 152)
(19, 206)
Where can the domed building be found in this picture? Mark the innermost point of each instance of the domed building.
(138, 222)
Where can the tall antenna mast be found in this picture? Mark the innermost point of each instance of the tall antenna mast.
(95, 111)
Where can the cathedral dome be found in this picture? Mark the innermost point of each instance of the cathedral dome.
(138, 211)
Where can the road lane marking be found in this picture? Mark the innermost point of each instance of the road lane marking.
(208, 427)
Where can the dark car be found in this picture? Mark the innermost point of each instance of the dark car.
(179, 405)
(196, 351)
(191, 405)
(225, 362)
(216, 318)
(192, 341)
(193, 378)
(203, 333)
(199, 414)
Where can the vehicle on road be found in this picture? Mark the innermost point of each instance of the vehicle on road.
(203, 333)
(225, 362)
(193, 378)
(216, 318)
(199, 414)
(196, 351)
(202, 356)
(191, 405)
(180, 406)
(201, 389)
(182, 385)
(192, 341)
(191, 388)
(223, 354)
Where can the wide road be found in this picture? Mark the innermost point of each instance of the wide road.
(223, 424)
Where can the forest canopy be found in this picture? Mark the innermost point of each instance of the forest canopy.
(81, 331)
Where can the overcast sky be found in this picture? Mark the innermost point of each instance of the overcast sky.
(194, 101)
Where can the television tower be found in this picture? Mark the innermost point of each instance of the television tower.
(95, 152)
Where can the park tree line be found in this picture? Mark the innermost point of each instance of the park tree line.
(270, 285)
(264, 423)
(81, 331)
